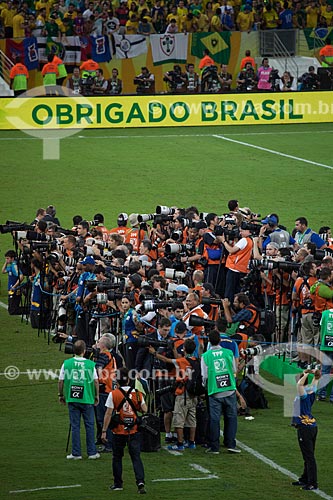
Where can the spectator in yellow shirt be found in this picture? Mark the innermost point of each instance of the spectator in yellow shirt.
(215, 24)
(270, 18)
(245, 19)
(312, 12)
(181, 9)
(7, 15)
(19, 25)
(132, 25)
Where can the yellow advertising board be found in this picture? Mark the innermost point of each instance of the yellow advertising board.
(165, 110)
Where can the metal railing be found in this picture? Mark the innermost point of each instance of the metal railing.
(5, 66)
(280, 44)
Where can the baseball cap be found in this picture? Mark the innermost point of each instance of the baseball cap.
(88, 260)
(133, 219)
(182, 288)
(270, 219)
(123, 216)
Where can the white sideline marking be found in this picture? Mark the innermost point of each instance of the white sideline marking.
(172, 452)
(185, 479)
(48, 488)
(277, 467)
(2, 304)
(164, 136)
(223, 137)
(199, 468)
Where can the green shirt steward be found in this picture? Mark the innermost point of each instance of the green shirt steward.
(79, 386)
(220, 370)
(326, 330)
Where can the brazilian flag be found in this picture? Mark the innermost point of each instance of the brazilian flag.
(55, 48)
(218, 45)
(316, 37)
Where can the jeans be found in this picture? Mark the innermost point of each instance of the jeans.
(326, 370)
(227, 407)
(307, 441)
(119, 442)
(232, 286)
(100, 412)
(88, 414)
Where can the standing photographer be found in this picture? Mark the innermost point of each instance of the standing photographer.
(306, 426)
(126, 402)
(237, 261)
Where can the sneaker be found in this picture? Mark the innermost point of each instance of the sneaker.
(176, 447)
(190, 446)
(212, 452)
(113, 487)
(106, 450)
(94, 457)
(234, 450)
(74, 457)
(141, 489)
(169, 440)
(298, 483)
(309, 487)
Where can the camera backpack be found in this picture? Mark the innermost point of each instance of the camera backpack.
(193, 384)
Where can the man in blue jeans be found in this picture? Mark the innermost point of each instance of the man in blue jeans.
(78, 388)
(218, 370)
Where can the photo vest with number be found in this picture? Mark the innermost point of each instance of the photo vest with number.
(326, 331)
(79, 385)
(220, 370)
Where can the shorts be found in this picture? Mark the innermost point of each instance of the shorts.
(168, 399)
(184, 415)
(309, 333)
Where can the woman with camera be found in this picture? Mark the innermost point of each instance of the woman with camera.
(287, 82)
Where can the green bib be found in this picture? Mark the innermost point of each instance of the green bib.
(326, 330)
(220, 368)
(79, 385)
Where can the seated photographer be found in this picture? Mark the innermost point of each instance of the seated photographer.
(145, 82)
(100, 85)
(309, 81)
(176, 80)
(192, 80)
(225, 79)
(246, 79)
(184, 413)
(115, 84)
(210, 81)
(287, 82)
(243, 312)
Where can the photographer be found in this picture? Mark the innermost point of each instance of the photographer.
(192, 80)
(225, 79)
(308, 333)
(176, 80)
(306, 426)
(126, 402)
(106, 367)
(82, 321)
(212, 250)
(194, 308)
(287, 82)
(210, 81)
(145, 82)
(244, 313)
(15, 278)
(309, 81)
(100, 85)
(185, 403)
(237, 261)
(271, 232)
(246, 79)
